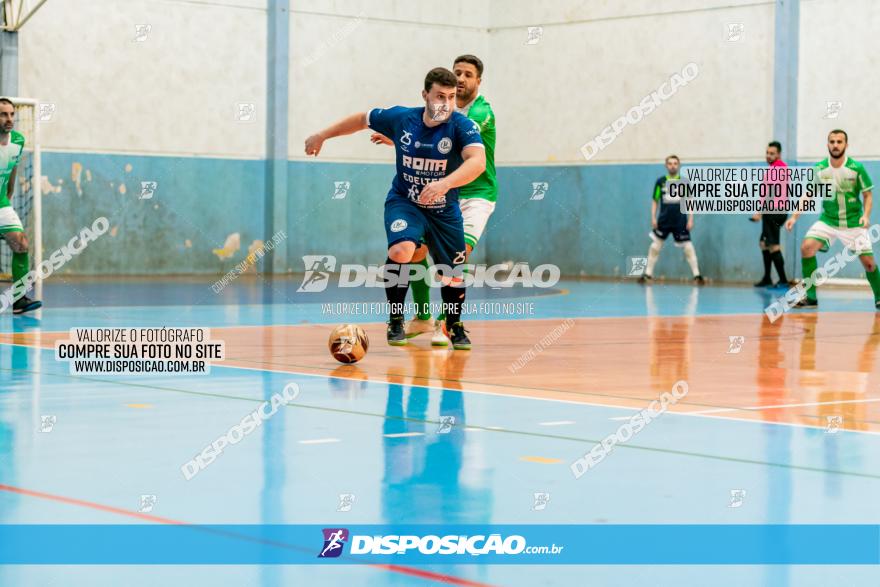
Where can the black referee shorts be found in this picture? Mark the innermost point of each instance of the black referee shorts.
(770, 225)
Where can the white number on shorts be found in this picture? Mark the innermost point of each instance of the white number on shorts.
(459, 257)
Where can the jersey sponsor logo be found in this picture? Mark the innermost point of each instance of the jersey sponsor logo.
(406, 138)
(424, 164)
(445, 145)
(398, 225)
(419, 145)
(412, 179)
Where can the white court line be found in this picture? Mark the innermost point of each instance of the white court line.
(762, 408)
(548, 399)
(403, 434)
(319, 441)
(557, 423)
(496, 394)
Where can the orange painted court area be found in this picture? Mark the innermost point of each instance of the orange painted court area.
(803, 369)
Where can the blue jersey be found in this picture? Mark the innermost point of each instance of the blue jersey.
(424, 154)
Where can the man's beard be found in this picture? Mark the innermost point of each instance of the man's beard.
(467, 97)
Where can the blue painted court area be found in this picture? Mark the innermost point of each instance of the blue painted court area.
(273, 301)
(115, 439)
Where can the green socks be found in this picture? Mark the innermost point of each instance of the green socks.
(808, 265)
(422, 294)
(874, 280)
(20, 266)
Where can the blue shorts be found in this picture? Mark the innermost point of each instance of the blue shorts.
(441, 229)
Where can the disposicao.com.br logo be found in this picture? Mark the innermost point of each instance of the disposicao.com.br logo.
(431, 544)
(319, 269)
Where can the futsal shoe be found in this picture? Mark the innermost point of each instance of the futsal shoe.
(439, 338)
(807, 303)
(766, 282)
(645, 278)
(25, 304)
(395, 333)
(460, 340)
(417, 326)
(699, 280)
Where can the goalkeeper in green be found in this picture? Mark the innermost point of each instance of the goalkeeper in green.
(11, 147)
(476, 199)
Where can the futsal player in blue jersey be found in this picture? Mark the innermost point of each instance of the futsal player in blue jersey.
(437, 151)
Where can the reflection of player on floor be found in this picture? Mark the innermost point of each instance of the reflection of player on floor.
(476, 199)
(670, 340)
(11, 146)
(771, 222)
(842, 216)
(437, 151)
(670, 220)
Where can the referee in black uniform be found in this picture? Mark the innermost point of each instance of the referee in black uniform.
(770, 225)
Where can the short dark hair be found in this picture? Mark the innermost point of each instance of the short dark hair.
(838, 131)
(440, 76)
(672, 157)
(776, 144)
(473, 60)
(7, 101)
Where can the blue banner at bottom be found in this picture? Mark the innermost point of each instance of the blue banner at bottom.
(441, 544)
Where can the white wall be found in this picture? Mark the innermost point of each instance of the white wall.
(174, 93)
(177, 92)
(353, 56)
(839, 60)
(588, 71)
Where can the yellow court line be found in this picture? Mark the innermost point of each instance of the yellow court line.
(542, 460)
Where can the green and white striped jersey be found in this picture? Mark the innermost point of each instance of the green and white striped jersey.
(10, 154)
(848, 182)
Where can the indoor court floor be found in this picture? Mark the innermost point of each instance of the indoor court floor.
(783, 418)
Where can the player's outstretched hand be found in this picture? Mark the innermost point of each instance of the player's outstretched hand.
(755, 218)
(433, 192)
(314, 144)
(378, 138)
(789, 224)
(864, 221)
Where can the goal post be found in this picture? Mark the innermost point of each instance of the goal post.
(27, 196)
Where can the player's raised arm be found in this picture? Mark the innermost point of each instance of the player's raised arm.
(346, 126)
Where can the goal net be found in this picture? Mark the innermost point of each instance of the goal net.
(26, 197)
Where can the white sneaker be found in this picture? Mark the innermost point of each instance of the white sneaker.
(416, 327)
(439, 338)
